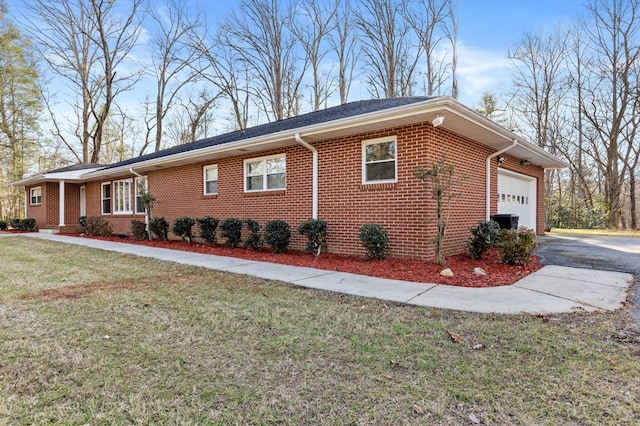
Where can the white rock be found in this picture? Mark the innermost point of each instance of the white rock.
(479, 272)
(446, 273)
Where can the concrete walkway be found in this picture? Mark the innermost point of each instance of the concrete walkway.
(552, 289)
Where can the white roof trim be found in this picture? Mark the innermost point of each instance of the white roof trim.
(76, 176)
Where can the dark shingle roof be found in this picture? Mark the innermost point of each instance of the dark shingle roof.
(351, 109)
(74, 167)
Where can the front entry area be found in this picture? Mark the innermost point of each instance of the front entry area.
(517, 195)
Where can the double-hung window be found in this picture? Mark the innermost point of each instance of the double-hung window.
(142, 186)
(35, 195)
(379, 160)
(122, 199)
(265, 174)
(106, 198)
(210, 179)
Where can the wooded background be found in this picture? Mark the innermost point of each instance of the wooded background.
(68, 69)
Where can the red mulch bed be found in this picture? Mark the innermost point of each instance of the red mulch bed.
(462, 265)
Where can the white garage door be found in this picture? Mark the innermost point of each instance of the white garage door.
(517, 195)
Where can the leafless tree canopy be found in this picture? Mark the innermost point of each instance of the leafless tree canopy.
(576, 95)
(86, 43)
(575, 89)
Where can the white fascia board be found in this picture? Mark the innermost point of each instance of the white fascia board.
(70, 176)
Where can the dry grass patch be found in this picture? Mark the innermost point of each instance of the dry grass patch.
(184, 345)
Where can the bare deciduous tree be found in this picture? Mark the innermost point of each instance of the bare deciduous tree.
(193, 120)
(390, 58)
(540, 86)
(171, 58)
(344, 40)
(431, 21)
(312, 28)
(86, 43)
(610, 100)
(260, 36)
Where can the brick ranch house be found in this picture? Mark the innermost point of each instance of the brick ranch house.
(348, 165)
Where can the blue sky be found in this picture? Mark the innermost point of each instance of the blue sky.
(488, 29)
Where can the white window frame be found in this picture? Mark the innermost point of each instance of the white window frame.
(122, 188)
(265, 173)
(376, 141)
(103, 199)
(144, 179)
(35, 192)
(205, 181)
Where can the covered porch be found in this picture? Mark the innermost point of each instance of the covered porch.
(57, 199)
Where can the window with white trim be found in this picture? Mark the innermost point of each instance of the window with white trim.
(142, 186)
(379, 161)
(122, 202)
(265, 174)
(35, 195)
(106, 198)
(210, 179)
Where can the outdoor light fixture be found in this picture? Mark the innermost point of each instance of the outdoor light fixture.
(501, 159)
(437, 121)
(525, 162)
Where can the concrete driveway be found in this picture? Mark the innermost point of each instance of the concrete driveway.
(620, 254)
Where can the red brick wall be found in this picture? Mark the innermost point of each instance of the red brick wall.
(404, 208)
(47, 215)
(120, 223)
(38, 212)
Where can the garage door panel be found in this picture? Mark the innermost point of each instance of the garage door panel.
(517, 195)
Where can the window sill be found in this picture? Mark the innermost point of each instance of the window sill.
(264, 193)
(383, 186)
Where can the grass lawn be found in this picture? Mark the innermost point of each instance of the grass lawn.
(104, 338)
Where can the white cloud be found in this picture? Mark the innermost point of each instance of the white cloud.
(480, 71)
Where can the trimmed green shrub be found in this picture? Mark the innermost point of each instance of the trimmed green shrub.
(139, 230)
(231, 231)
(82, 221)
(253, 240)
(516, 247)
(316, 233)
(375, 240)
(159, 227)
(3, 225)
(483, 237)
(183, 228)
(208, 226)
(277, 235)
(26, 225)
(98, 226)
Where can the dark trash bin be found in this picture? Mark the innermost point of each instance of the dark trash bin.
(506, 221)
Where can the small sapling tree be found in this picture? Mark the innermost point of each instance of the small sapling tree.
(442, 183)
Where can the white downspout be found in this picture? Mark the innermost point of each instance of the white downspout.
(314, 196)
(146, 212)
(488, 178)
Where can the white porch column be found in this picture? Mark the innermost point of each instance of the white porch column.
(61, 203)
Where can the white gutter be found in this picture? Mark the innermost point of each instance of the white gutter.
(314, 191)
(488, 178)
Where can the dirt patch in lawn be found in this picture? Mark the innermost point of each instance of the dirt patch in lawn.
(461, 265)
